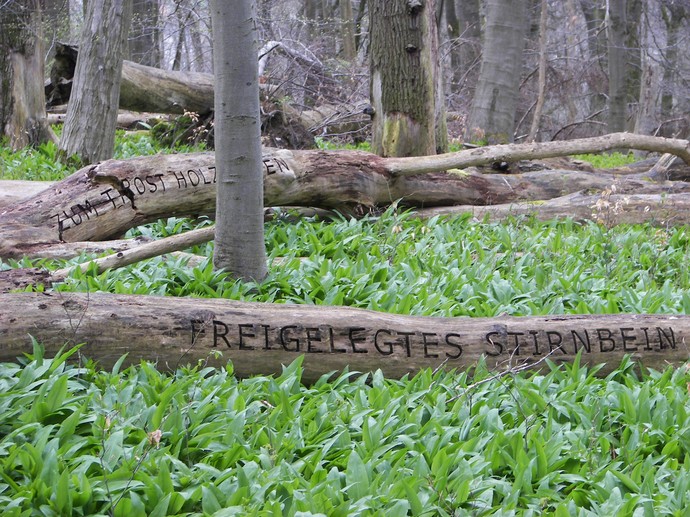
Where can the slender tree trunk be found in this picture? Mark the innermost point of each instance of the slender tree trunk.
(492, 117)
(197, 61)
(406, 86)
(89, 130)
(653, 40)
(615, 32)
(453, 28)
(675, 101)
(470, 31)
(22, 99)
(239, 246)
(360, 20)
(541, 81)
(182, 22)
(347, 30)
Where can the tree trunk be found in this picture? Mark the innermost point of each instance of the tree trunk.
(347, 30)
(151, 89)
(89, 131)
(541, 81)
(104, 201)
(616, 27)
(258, 338)
(239, 241)
(653, 41)
(470, 31)
(22, 99)
(405, 86)
(492, 117)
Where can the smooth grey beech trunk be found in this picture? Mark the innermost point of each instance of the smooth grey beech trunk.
(239, 243)
(495, 99)
(89, 130)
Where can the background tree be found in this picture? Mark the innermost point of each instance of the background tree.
(616, 33)
(239, 238)
(22, 99)
(496, 97)
(89, 130)
(406, 85)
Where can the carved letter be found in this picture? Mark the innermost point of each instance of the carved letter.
(354, 340)
(219, 326)
(457, 346)
(605, 338)
(626, 337)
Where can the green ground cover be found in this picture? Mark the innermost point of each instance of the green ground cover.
(79, 441)
(76, 440)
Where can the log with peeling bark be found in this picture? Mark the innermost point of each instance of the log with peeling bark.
(103, 201)
(259, 338)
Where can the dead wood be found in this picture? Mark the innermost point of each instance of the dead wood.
(138, 253)
(531, 151)
(605, 207)
(156, 91)
(259, 338)
(143, 88)
(125, 119)
(103, 201)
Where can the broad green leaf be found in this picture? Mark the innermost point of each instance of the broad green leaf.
(356, 477)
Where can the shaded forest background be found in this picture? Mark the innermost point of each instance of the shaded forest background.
(586, 70)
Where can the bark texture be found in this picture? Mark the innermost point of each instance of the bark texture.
(22, 100)
(239, 238)
(492, 117)
(616, 29)
(259, 338)
(89, 131)
(406, 84)
(653, 39)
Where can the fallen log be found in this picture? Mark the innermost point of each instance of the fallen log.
(535, 150)
(669, 209)
(142, 88)
(259, 338)
(154, 90)
(125, 119)
(103, 201)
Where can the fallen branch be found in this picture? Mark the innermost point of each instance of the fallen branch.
(532, 151)
(145, 251)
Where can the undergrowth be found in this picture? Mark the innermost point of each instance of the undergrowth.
(41, 164)
(76, 440)
(442, 267)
